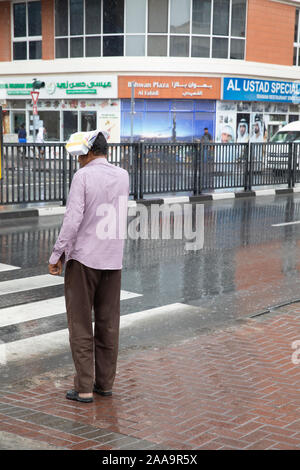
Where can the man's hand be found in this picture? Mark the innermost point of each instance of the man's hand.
(55, 269)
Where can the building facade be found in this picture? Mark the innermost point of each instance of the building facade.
(232, 66)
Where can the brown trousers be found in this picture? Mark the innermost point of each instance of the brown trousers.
(87, 288)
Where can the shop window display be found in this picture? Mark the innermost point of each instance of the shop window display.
(88, 121)
(18, 118)
(51, 122)
(63, 117)
(70, 123)
(252, 121)
(168, 120)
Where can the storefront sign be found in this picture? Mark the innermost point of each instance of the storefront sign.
(58, 87)
(246, 89)
(170, 87)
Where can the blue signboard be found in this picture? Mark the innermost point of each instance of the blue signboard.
(249, 89)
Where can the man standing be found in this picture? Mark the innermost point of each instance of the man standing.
(206, 138)
(97, 200)
(22, 135)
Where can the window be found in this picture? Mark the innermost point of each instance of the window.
(201, 16)
(167, 120)
(113, 16)
(157, 45)
(135, 16)
(135, 45)
(221, 17)
(89, 28)
(296, 60)
(179, 46)
(157, 16)
(27, 30)
(175, 28)
(238, 19)
(88, 120)
(76, 17)
(180, 16)
(219, 28)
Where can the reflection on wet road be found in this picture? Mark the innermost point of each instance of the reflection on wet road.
(246, 263)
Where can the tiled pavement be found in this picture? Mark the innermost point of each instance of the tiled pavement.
(235, 388)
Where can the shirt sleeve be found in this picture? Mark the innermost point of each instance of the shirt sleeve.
(72, 219)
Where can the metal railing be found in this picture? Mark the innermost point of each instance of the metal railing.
(33, 173)
(43, 172)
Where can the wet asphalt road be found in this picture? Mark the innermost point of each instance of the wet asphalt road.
(246, 266)
(244, 259)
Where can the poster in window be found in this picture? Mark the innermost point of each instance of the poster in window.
(243, 126)
(109, 119)
(258, 132)
(226, 127)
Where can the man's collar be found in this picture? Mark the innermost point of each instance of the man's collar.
(96, 161)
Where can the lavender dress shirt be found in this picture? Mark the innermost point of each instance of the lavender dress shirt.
(95, 221)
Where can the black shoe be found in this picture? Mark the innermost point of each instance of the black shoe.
(100, 392)
(73, 395)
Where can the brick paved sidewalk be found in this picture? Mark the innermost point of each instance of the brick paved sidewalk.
(230, 389)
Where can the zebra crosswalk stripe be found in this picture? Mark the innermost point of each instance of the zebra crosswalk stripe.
(38, 345)
(41, 309)
(29, 283)
(56, 342)
(7, 267)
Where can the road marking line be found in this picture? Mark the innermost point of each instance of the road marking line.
(7, 267)
(131, 318)
(42, 309)
(29, 283)
(32, 311)
(125, 295)
(286, 223)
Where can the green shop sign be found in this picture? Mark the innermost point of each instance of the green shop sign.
(84, 86)
(17, 88)
(18, 92)
(71, 88)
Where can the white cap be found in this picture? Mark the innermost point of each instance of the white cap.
(80, 143)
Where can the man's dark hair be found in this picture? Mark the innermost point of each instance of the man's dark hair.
(100, 146)
(205, 128)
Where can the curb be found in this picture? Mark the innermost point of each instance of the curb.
(60, 210)
(19, 214)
